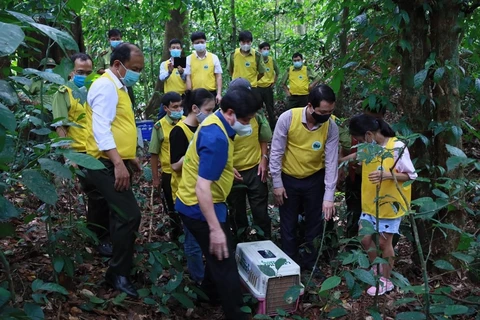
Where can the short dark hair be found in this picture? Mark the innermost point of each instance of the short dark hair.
(263, 45)
(245, 36)
(170, 97)
(123, 52)
(114, 33)
(198, 35)
(242, 101)
(196, 97)
(174, 41)
(321, 93)
(360, 124)
(297, 54)
(80, 55)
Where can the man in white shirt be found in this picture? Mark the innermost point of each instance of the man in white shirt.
(203, 68)
(112, 138)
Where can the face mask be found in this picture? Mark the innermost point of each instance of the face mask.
(200, 47)
(320, 118)
(115, 43)
(265, 53)
(373, 142)
(201, 116)
(246, 47)
(175, 53)
(79, 80)
(176, 115)
(242, 129)
(297, 64)
(130, 78)
(49, 70)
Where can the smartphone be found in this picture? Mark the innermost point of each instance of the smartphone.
(182, 62)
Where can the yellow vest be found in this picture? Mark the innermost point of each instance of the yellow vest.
(268, 76)
(247, 152)
(304, 152)
(174, 82)
(245, 66)
(220, 188)
(202, 72)
(388, 194)
(76, 114)
(165, 147)
(123, 128)
(177, 176)
(298, 81)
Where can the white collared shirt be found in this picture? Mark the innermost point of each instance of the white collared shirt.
(216, 63)
(103, 99)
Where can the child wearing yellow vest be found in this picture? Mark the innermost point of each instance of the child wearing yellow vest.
(199, 104)
(159, 148)
(391, 205)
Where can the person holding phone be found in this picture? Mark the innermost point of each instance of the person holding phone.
(173, 76)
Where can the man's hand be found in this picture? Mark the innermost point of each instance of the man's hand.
(218, 98)
(122, 177)
(155, 182)
(328, 209)
(237, 176)
(378, 175)
(218, 244)
(279, 194)
(170, 67)
(180, 69)
(262, 170)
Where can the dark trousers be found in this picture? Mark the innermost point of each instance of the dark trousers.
(295, 101)
(175, 221)
(309, 192)
(266, 95)
(221, 279)
(257, 193)
(125, 216)
(353, 199)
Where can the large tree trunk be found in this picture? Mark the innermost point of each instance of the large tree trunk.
(340, 109)
(176, 27)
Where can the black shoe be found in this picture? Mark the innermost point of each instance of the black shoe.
(105, 249)
(121, 283)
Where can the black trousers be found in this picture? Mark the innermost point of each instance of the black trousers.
(221, 279)
(266, 95)
(353, 199)
(297, 101)
(257, 193)
(308, 192)
(175, 221)
(125, 216)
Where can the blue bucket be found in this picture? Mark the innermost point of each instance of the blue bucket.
(146, 126)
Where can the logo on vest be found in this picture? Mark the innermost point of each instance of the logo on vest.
(205, 66)
(300, 77)
(176, 72)
(268, 69)
(380, 168)
(247, 64)
(317, 145)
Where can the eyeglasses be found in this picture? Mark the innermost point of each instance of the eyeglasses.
(82, 72)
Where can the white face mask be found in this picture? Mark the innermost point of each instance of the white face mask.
(246, 47)
(242, 129)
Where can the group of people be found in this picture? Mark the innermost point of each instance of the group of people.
(212, 152)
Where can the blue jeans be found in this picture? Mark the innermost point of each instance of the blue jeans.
(194, 256)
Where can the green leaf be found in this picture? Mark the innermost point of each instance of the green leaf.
(183, 299)
(267, 270)
(364, 276)
(337, 313)
(41, 131)
(279, 263)
(454, 162)
(149, 301)
(330, 283)
(440, 193)
(350, 64)
(53, 287)
(75, 5)
(58, 263)
(64, 40)
(7, 94)
(48, 76)
(442, 264)
(4, 296)
(7, 229)
(419, 78)
(7, 209)
(96, 300)
(477, 85)
(453, 310)
(55, 167)
(84, 160)
(10, 38)
(349, 279)
(438, 75)
(262, 317)
(118, 300)
(399, 302)
(411, 315)
(33, 311)
(454, 151)
(402, 281)
(246, 309)
(174, 282)
(22, 17)
(292, 294)
(40, 186)
(142, 293)
(464, 257)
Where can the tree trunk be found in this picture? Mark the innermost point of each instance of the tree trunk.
(340, 109)
(176, 27)
(234, 24)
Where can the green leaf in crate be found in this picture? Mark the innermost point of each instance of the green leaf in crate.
(279, 263)
(267, 270)
(292, 294)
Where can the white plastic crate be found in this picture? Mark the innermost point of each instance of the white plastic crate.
(269, 290)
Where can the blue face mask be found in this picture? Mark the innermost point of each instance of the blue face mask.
(176, 115)
(115, 43)
(79, 80)
(200, 47)
(130, 78)
(265, 53)
(297, 64)
(201, 116)
(175, 53)
(49, 70)
(242, 129)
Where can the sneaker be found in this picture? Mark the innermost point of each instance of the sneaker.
(384, 287)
